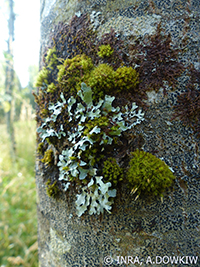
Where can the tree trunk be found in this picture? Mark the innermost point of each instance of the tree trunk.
(141, 228)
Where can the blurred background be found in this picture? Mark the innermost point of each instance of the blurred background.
(19, 60)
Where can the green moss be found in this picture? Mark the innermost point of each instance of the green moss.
(51, 88)
(126, 78)
(40, 148)
(101, 122)
(105, 51)
(42, 78)
(51, 58)
(102, 80)
(44, 112)
(72, 72)
(112, 172)
(48, 158)
(148, 174)
(92, 155)
(52, 189)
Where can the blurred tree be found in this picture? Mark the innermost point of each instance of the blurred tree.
(9, 80)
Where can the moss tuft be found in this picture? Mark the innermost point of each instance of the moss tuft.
(105, 51)
(40, 148)
(51, 88)
(126, 79)
(48, 158)
(101, 80)
(51, 58)
(42, 78)
(112, 171)
(72, 71)
(148, 174)
(104, 80)
(52, 189)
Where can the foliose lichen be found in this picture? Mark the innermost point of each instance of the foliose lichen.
(90, 91)
(105, 122)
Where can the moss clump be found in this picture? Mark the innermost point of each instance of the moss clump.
(102, 122)
(40, 148)
(72, 72)
(101, 80)
(51, 58)
(104, 80)
(48, 158)
(148, 174)
(51, 88)
(52, 189)
(42, 78)
(105, 51)
(126, 78)
(112, 172)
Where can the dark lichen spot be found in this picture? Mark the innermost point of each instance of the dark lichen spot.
(187, 107)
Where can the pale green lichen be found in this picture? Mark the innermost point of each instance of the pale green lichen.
(99, 135)
(97, 124)
(95, 197)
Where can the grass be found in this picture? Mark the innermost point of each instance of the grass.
(18, 218)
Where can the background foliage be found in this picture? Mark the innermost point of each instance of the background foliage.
(18, 221)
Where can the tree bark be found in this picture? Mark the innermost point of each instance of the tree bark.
(136, 232)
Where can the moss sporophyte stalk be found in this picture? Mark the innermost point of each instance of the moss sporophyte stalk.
(81, 123)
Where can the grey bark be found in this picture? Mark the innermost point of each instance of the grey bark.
(135, 229)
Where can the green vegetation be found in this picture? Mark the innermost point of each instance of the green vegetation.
(48, 157)
(52, 189)
(18, 218)
(102, 80)
(94, 130)
(148, 174)
(90, 94)
(112, 171)
(105, 51)
(72, 71)
(42, 78)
